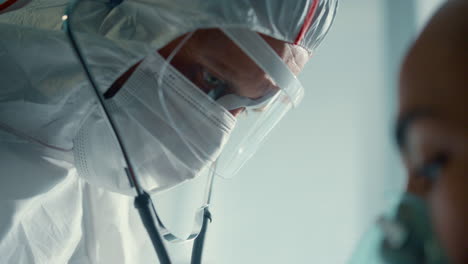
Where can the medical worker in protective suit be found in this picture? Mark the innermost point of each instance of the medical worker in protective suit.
(102, 101)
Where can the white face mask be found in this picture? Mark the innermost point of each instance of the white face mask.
(162, 155)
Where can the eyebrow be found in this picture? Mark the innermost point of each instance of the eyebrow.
(218, 67)
(405, 121)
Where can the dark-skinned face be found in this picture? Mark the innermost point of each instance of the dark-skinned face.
(433, 126)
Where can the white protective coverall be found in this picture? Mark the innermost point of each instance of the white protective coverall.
(49, 214)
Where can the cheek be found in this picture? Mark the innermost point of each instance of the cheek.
(449, 208)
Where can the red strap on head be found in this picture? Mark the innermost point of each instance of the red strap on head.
(10, 5)
(7, 4)
(307, 22)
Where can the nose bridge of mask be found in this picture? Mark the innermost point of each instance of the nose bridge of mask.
(234, 101)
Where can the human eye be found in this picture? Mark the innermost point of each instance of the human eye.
(433, 167)
(212, 80)
(215, 86)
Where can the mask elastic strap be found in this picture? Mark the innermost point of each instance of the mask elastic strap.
(234, 101)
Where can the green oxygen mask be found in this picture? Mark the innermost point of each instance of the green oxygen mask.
(405, 236)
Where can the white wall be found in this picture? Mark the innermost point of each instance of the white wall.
(425, 9)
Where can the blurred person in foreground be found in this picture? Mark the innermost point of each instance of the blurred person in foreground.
(433, 124)
(430, 224)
